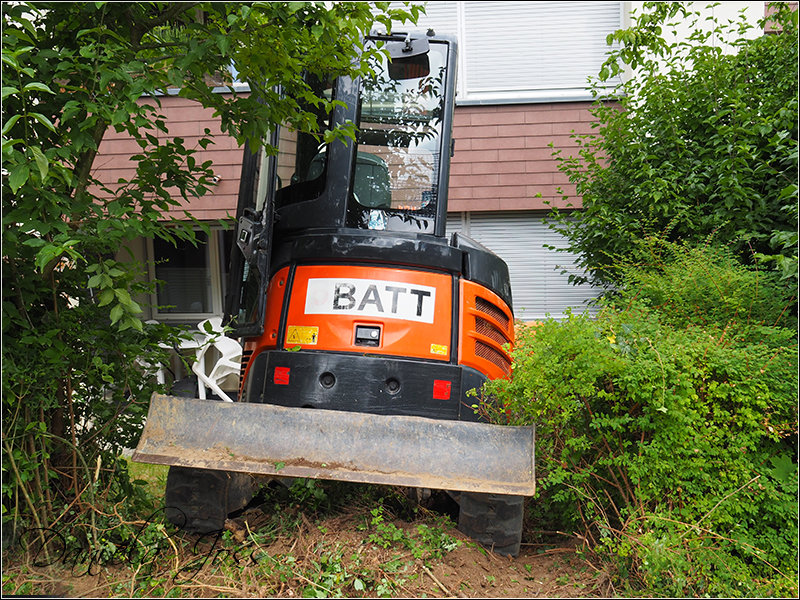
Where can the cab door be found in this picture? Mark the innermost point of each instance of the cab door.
(245, 301)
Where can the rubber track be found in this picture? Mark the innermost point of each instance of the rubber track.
(493, 520)
(200, 500)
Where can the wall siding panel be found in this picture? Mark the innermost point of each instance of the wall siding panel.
(185, 119)
(510, 166)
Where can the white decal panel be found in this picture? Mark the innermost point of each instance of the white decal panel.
(371, 298)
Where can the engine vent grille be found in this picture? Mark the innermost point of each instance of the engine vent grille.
(487, 352)
(246, 354)
(493, 311)
(483, 327)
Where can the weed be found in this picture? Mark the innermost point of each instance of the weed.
(310, 494)
(152, 477)
(429, 542)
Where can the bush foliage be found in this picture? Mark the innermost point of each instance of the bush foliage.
(667, 424)
(700, 139)
(78, 361)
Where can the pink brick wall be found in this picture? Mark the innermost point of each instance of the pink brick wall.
(770, 26)
(185, 119)
(503, 159)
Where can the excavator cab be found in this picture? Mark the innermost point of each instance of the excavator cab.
(365, 330)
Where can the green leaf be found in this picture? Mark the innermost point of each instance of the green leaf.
(132, 321)
(10, 123)
(39, 87)
(11, 61)
(106, 296)
(123, 296)
(46, 254)
(34, 242)
(120, 116)
(224, 42)
(18, 176)
(9, 91)
(116, 313)
(784, 468)
(41, 162)
(43, 120)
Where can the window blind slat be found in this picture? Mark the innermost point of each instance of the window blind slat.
(538, 286)
(526, 50)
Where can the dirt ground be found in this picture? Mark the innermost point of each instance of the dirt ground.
(542, 570)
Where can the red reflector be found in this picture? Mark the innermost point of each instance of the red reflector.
(281, 376)
(441, 389)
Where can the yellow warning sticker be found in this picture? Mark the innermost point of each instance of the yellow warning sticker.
(302, 335)
(438, 349)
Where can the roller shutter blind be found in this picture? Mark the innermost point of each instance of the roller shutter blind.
(525, 51)
(440, 16)
(538, 287)
(535, 46)
(455, 223)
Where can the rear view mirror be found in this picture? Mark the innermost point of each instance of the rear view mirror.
(415, 67)
(408, 59)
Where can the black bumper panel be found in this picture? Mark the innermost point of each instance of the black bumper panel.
(368, 384)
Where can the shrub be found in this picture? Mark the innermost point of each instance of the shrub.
(666, 425)
(78, 362)
(700, 138)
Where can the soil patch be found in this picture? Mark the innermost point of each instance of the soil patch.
(327, 557)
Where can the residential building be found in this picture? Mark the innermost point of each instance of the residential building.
(522, 92)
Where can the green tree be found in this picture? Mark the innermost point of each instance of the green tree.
(77, 360)
(697, 142)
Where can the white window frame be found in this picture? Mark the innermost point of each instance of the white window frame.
(212, 249)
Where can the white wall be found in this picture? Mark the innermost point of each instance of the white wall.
(726, 11)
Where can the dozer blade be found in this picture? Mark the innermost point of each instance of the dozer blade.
(345, 446)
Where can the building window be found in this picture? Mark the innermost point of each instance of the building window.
(518, 52)
(192, 278)
(540, 284)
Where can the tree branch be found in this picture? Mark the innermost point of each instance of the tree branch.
(84, 166)
(139, 28)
